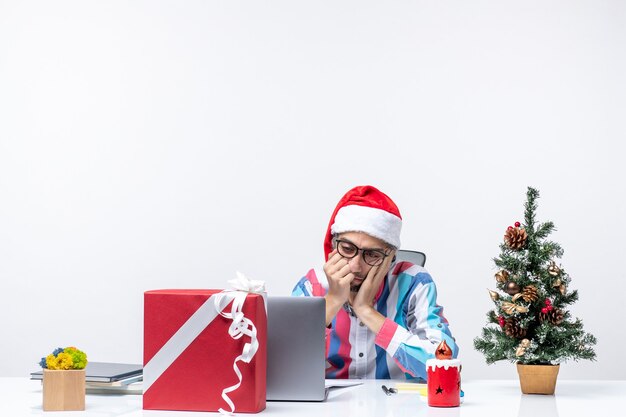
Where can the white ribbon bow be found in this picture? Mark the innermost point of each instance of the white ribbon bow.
(242, 283)
(241, 326)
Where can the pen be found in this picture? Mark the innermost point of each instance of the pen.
(389, 391)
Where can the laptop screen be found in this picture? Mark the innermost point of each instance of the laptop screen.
(296, 348)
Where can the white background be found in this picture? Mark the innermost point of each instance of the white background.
(153, 144)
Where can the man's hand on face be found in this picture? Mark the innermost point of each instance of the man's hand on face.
(339, 278)
(364, 298)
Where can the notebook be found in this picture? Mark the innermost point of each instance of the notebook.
(296, 348)
(105, 372)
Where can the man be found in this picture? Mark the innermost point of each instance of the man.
(382, 317)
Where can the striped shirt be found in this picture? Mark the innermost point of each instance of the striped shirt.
(413, 328)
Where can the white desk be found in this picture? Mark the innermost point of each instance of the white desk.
(22, 397)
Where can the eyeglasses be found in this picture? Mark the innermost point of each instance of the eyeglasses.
(349, 250)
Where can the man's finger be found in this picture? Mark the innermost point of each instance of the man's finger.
(344, 271)
(377, 273)
(340, 273)
(372, 273)
(338, 266)
(333, 260)
(336, 258)
(387, 263)
(384, 267)
(369, 280)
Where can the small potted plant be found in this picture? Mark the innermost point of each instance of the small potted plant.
(530, 323)
(64, 380)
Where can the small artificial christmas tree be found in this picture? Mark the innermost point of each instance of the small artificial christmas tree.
(532, 325)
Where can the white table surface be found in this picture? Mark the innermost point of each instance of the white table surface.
(22, 397)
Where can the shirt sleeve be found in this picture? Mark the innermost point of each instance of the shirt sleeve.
(419, 326)
(310, 286)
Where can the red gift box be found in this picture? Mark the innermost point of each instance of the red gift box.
(189, 353)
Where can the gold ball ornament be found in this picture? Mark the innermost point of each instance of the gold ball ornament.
(554, 270)
(559, 284)
(511, 288)
(502, 276)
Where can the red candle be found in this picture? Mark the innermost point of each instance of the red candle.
(444, 378)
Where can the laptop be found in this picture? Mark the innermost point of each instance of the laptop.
(296, 348)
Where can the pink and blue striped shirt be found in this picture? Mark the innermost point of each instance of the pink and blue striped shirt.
(413, 327)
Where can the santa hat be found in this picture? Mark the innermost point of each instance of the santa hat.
(365, 209)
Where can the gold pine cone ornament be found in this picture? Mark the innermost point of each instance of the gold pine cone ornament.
(512, 328)
(551, 315)
(515, 237)
(529, 293)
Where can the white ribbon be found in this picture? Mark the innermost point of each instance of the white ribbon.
(187, 333)
(241, 326)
